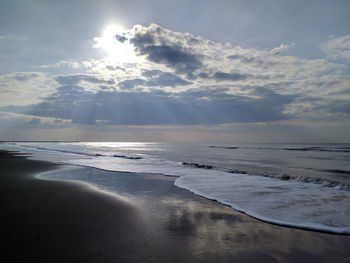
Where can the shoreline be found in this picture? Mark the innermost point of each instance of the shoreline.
(153, 221)
(316, 228)
(313, 228)
(46, 221)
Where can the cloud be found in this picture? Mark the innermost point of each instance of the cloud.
(158, 45)
(281, 48)
(120, 38)
(75, 79)
(23, 122)
(209, 105)
(35, 121)
(182, 79)
(337, 107)
(164, 79)
(115, 68)
(131, 84)
(222, 76)
(337, 48)
(25, 76)
(154, 78)
(23, 88)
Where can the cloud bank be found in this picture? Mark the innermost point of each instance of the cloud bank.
(338, 48)
(182, 79)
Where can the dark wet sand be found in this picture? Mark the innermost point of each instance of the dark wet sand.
(150, 221)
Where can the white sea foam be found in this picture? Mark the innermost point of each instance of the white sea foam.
(290, 203)
(41, 153)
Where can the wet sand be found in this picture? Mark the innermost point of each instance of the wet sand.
(149, 220)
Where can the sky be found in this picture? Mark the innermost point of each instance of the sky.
(187, 71)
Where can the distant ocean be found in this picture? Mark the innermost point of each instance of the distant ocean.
(299, 185)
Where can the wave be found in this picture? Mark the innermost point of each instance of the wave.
(196, 165)
(295, 201)
(224, 147)
(303, 149)
(280, 200)
(319, 227)
(319, 149)
(128, 157)
(337, 171)
(283, 176)
(79, 153)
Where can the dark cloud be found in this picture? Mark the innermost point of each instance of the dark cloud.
(131, 84)
(203, 75)
(144, 38)
(159, 47)
(173, 57)
(222, 76)
(151, 73)
(104, 87)
(208, 105)
(120, 38)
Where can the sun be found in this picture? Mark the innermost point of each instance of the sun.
(115, 41)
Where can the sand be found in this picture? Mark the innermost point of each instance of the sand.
(149, 220)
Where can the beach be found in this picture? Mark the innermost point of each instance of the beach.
(149, 220)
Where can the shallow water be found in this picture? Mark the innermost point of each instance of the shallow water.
(305, 186)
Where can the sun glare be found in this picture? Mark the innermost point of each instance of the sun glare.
(115, 41)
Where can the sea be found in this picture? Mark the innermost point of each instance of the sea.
(304, 186)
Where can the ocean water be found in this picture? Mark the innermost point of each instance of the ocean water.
(298, 185)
